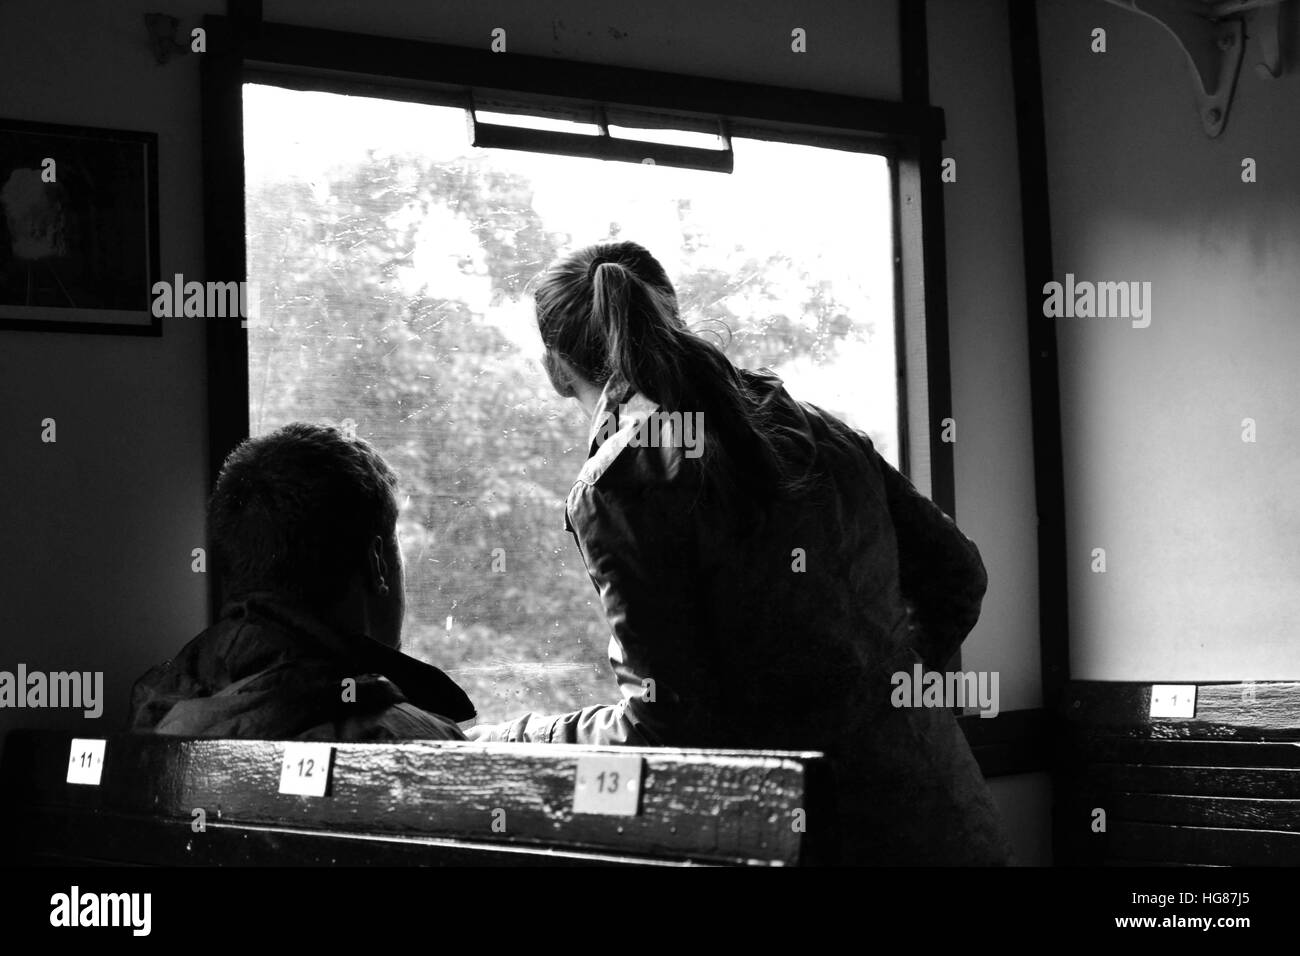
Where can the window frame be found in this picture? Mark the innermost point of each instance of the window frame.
(909, 134)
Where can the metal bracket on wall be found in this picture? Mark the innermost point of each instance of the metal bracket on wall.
(1212, 36)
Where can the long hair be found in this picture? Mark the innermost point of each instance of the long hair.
(611, 312)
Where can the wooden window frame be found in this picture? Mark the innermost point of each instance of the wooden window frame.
(308, 58)
(908, 133)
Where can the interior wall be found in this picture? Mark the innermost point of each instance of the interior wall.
(98, 527)
(852, 45)
(1201, 530)
(970, 78)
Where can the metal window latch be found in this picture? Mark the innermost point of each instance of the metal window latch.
(1212, 34)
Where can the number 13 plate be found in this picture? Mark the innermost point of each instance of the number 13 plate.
(610, 785)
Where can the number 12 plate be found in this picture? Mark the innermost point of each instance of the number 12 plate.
(305, 769)
(609, 785)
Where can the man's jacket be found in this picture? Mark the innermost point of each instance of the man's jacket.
(784, 631)
(269, 670)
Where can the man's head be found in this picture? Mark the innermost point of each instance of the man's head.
(310, 514)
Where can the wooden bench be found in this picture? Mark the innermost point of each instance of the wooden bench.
(419, 802)
(1219, 789)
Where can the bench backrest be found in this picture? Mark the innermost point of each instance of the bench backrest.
(1219, 788)
(418, 802)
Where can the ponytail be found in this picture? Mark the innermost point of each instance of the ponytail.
(643, 346)
(629, 329)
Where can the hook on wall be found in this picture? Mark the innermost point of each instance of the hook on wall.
(1266, 27)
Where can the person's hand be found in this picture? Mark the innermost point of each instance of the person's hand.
(479, 732)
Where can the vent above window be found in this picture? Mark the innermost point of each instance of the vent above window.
(566, 137)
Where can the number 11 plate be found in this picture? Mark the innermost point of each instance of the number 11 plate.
(609, 785)
(86, 761)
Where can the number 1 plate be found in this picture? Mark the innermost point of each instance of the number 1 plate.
(609, 785)
(305, 769)
(1173, 700)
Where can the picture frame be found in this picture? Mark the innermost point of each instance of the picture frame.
(78, 229)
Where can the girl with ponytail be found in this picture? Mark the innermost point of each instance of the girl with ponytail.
(766, 591)
(609, 314)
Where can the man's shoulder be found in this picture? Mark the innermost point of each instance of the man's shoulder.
(197, 669)
(398, 721)
(258, 672)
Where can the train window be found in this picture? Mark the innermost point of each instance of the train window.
(391, 260)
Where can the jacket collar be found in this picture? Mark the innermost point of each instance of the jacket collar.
(620, 412)
(617, 408)
(620, 408)
(422, 684)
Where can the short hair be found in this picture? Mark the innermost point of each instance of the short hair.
(293, 510)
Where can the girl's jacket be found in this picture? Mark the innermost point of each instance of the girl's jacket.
(792, 630)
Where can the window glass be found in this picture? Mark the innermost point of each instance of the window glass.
(391, 261)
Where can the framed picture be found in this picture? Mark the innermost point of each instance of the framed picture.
(78, 229)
